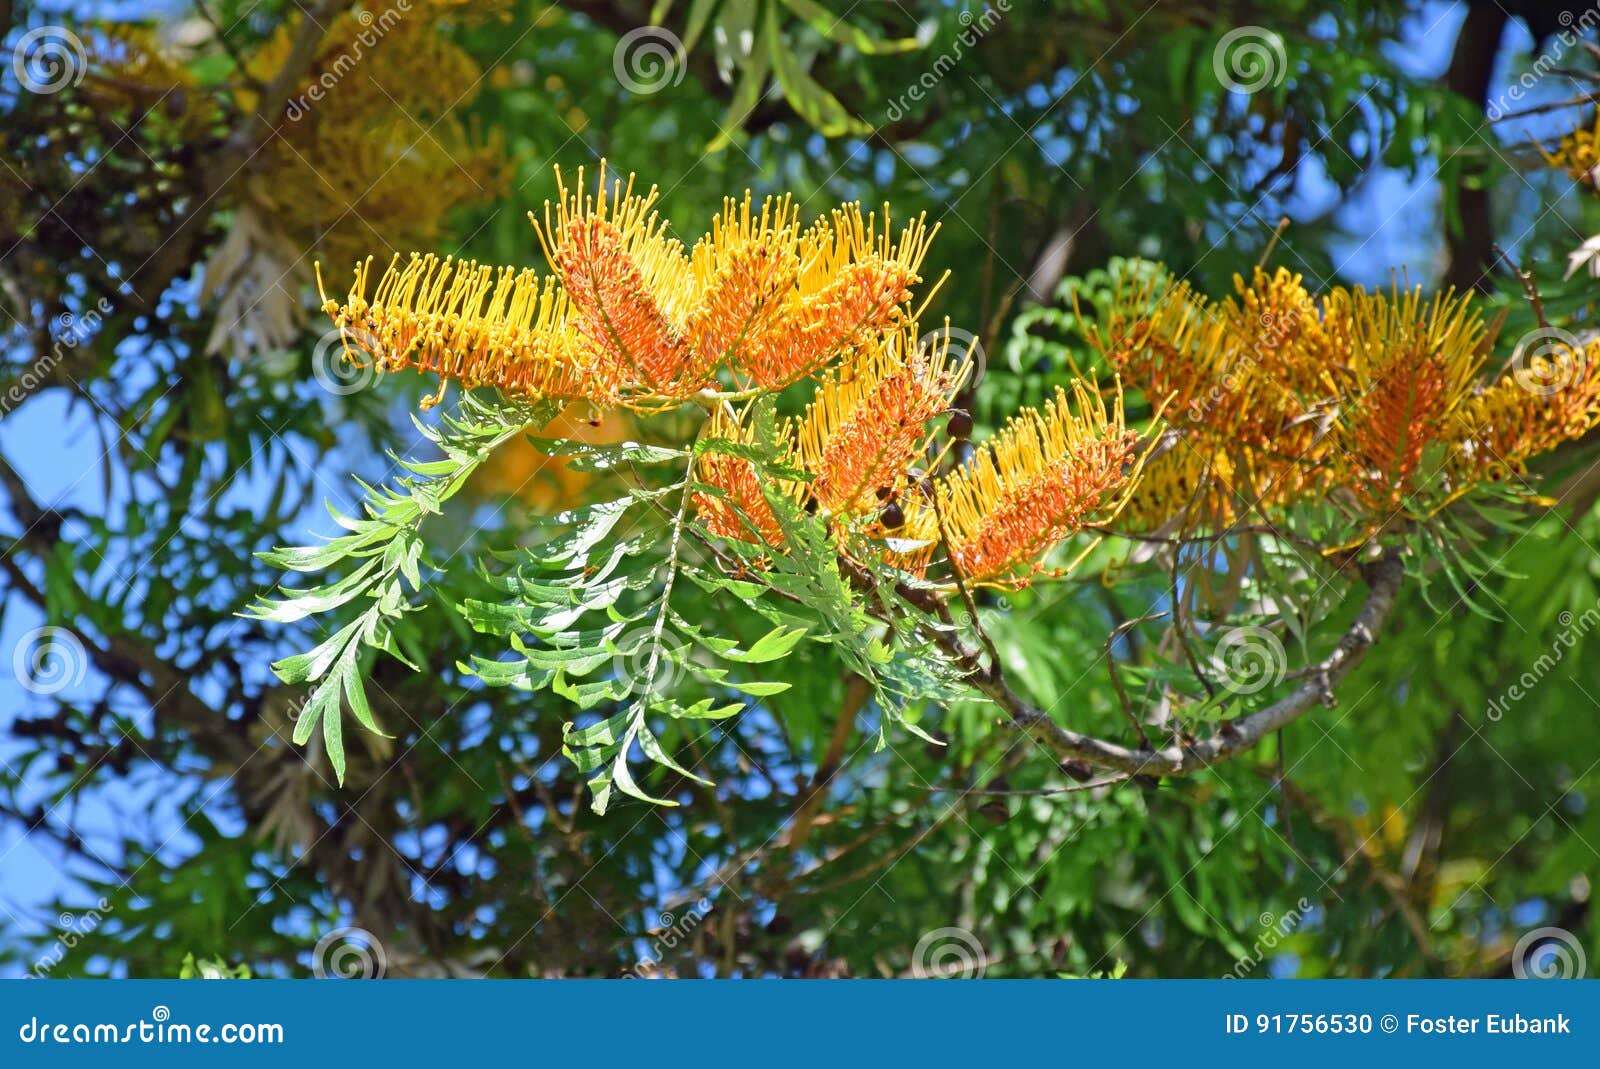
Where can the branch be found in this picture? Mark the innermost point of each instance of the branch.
(1233, 737)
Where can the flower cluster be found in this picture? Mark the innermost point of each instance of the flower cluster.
(1376, 402)
(631, 320)
(1040, 480)
(630, 317)
(1578, 153)
(1043, 478)
(348, 168)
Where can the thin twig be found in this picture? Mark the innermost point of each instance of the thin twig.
(1116, 678)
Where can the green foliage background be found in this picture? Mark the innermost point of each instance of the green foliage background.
(1406, 832)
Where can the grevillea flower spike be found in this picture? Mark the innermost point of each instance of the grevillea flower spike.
(870, 422)
(1042, 479)
(630, 317)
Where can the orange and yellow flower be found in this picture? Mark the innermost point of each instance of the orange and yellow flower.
(870, 421)
(1044, 477)
(630, 318)
(736, 508)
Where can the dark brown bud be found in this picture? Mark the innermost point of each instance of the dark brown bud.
(892, 516)
(960, 423)
(995, 811)
(1078, 771)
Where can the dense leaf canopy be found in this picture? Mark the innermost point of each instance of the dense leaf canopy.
(1157, 570)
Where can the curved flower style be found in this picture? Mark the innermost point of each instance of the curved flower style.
(1374, 401)
(869, 423)
(630, 318)
(475, 324)
(1040, 480)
